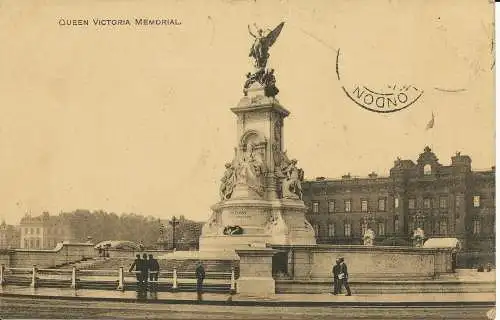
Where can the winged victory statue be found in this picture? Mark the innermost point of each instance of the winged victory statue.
(263, 40)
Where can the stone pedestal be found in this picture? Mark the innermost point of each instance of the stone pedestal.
(260, 189)
(256, 277)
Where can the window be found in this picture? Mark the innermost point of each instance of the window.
(31, 243)
(37, 243)
(476, 226)
(331, 230)
(452, 227)
(25, 230)
(347, 205)
(443, 202)
(411, 226)
(347, 229)
(427, 169)
(331, 206)
(396, 202)
(381, 228)
(381, 204)
(364, 205)
(427, 203)
(457, 201)
(411, 204)
(477, 201)
(315, 206)
(37, 230)
(396, 224)
(316, 230)
(443, 227)
(32, 230)
(26, 244)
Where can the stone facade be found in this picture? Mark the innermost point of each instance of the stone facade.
(9, 236)
(43, 232)
(445, 201)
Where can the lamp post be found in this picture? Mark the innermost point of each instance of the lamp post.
(174, 222)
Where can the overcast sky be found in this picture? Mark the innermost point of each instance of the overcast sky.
(137, 119)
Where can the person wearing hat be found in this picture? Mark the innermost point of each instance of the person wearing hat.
(137, 265)
(336, 280)
(154, 269)
(200, 276)
(343, 277)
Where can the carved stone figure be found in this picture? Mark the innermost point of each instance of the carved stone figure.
(419, 237)
(276, 224)
(227, 182)
(368, 237)
(291, 184)
(269, 82)
(250, 170)
(262, 43)
(254, 77)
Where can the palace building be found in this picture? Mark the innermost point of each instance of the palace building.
(44, 231)
(448, 201)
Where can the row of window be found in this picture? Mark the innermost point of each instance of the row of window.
(32, 243)
(37, 230)
(441, 227)
(347, 229)
(332, 205)
(412, 204)
(35, 243)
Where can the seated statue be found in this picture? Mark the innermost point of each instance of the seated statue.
(291, 184)
(419, 237)
(368, 237)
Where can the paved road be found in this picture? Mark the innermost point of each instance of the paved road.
(25, 308)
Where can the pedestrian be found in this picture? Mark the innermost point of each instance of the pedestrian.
(137, 264)
(343, 277)
(200, 276)
(145, 270)
(336, 281)
(154, 269)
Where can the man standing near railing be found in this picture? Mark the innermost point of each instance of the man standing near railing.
(154, 269)
(200, 276)
(138, 267)
(144, 270)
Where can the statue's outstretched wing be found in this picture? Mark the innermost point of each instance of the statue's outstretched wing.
(270, 39)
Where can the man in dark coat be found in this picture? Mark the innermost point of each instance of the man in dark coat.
(154, 268)
(336, 280)
(144, 270)
(200, 276)
(137, 264)
(343, 277)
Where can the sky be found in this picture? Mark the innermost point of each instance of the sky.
(137, 118)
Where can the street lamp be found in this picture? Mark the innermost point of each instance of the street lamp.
(174, 222)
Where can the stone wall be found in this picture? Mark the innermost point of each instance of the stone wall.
(61, 254)
(367, 263)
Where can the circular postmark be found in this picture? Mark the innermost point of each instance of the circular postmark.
(390, 99)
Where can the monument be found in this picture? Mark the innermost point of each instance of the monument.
(260, 192)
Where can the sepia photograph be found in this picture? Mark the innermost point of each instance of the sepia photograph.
(247, 159)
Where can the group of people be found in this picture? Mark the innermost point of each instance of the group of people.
(340, 277)
(148, 269)
(145, 269)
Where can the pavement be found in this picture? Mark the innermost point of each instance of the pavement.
(396, 300)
